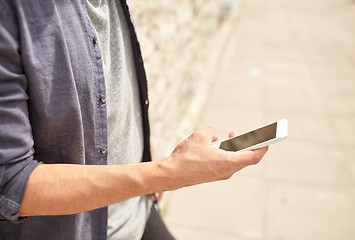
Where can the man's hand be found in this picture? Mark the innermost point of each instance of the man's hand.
(196, 160)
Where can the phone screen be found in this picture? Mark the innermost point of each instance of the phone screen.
(251, 138)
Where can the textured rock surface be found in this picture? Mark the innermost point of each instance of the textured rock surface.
(181, 42)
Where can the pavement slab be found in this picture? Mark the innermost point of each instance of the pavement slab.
(290, 59)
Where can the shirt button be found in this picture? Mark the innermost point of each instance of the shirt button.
(94, 40)
(103, 99)
(103, 150)
(146, 102)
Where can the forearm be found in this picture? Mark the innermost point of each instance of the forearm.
(67, 189)
(59, 189)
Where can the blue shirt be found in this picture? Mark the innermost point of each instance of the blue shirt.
(53, 108)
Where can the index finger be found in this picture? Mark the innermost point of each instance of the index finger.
(252, 157)
(207, 135)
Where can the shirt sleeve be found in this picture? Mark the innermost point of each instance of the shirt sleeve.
(16, 141)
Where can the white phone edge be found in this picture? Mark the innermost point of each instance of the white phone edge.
(281, 134)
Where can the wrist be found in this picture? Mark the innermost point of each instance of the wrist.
(164, 176)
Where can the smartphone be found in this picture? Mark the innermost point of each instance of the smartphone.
(255, 139)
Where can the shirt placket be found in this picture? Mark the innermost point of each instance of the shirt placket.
(101, 111)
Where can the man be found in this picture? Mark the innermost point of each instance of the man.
(74, 134)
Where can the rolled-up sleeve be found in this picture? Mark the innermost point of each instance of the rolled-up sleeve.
(16, 141)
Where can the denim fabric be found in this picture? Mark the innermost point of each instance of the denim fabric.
(51, 83)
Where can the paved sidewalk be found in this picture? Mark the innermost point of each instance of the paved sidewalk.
(291, 59)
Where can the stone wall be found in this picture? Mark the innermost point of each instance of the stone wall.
(181, 43)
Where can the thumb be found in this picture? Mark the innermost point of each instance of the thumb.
(232, 133)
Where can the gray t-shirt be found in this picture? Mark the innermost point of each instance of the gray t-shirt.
(127, 219)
